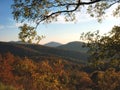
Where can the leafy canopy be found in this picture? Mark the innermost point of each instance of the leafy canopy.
(106, 47)
(29, 34)
(46, 11)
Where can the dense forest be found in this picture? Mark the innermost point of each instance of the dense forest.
(56, 74)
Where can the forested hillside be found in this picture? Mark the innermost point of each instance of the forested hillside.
(35, 51)
(56, 74)
(74, 46)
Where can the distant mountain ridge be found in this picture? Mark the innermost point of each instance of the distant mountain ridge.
(18, 42)
(74, 46)
(53, 44)
(71, 46)
(38, 51)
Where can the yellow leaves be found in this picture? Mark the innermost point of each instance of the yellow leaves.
(106, 79)
(40, 6)
(28, 34)
(45, 67)
(27, 12)
(56, 75)
(7, 87)
(56, 82)
(26, 66)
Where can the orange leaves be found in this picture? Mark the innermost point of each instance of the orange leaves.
(106, 79)
(24, 73)
(6, 68)
(27, 65)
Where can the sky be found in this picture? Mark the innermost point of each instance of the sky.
(61, 31)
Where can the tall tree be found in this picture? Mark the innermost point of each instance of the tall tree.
(46, 11)
(104, 48)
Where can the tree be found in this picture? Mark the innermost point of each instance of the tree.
(6, 75)
(106, 79)
(29, 34)
(104, 48)
(46, 11)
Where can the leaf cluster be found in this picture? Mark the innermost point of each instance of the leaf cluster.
(103, 48)
(46, 11)
(29, 34)
(26, 74)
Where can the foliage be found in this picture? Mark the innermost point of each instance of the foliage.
(6, 68)
(104, 48)
(26, 74)
(28, 34)
(108, 79)
(46, 11)
(5, 87)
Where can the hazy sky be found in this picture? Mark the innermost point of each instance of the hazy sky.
(57, 31)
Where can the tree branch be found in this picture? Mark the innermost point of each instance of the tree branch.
(78, 4)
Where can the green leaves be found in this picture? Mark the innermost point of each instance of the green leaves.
(46, 11)
(98, 10)
(28, 34)
(116, 12)
(106, 47)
